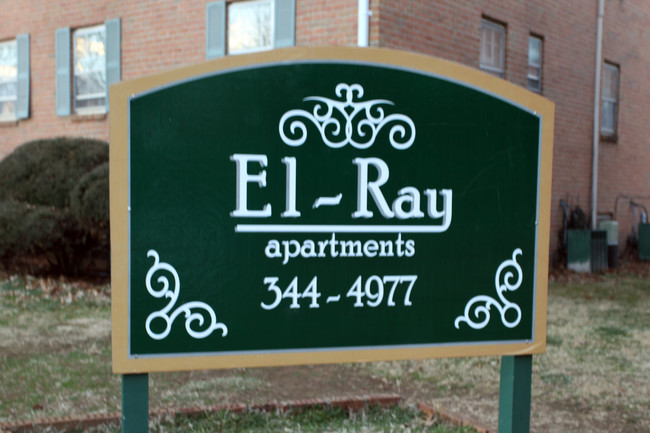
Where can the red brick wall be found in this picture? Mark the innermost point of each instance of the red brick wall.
(451, 29)
(160, 35)
(624, 166)
(155, 36)
(326, 22)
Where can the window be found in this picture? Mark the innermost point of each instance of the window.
(250, 26)
(8, 80)
(535, 63)
(87, 63)
(608, 124)
(14, 79)
(89, 69)
(493, 48)
(238, 27)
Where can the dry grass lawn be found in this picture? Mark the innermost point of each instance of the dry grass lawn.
(595, 376)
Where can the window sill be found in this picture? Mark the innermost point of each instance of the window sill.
(609, 138)
(89, 117)
(8, 123)
(493, 71)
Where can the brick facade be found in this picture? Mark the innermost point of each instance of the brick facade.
(157, 36)
(624, 166)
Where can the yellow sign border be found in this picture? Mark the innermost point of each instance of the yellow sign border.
(119, 129)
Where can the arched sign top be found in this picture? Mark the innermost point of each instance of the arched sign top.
(312, 205)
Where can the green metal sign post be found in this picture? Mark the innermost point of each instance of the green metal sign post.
(135, 403)
(514, 394)
(326, 205)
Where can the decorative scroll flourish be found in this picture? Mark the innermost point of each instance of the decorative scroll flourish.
(194, 320)
(343, 122)
(480, 305)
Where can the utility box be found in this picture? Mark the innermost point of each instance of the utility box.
(579, 250)
(598, 250)
(644, 241)
(611, 227)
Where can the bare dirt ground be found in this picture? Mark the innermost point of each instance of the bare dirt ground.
(594, 377)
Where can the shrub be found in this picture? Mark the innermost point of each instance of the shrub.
(89, 203)
(54, 207)
(13, 218)
(41, 239)
(44, 172)
(89, 198)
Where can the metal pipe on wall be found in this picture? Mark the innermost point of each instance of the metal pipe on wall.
(363, 23)
(594, 169)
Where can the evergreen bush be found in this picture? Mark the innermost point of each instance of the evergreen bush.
(44, 172)
(89, 203)
(89, 200)
(13, 219)
(54, 207)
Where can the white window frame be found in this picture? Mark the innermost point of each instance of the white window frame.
(271, 4)
(11, 116)
(609, 99)
(99, 109)
(493, 48)
(535, 67)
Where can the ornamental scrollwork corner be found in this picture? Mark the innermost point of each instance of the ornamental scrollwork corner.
(347, 120)
(479, 306)
(200, 319)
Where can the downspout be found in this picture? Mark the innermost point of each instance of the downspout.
(362, 27)
(594, 169)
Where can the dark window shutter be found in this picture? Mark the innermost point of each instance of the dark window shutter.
(215, 29)
(113, 54)
(22, 105)
(285, 23)
(63, 71)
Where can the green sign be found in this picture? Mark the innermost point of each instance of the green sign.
(324, 206)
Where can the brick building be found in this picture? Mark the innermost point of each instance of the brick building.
(58, 58)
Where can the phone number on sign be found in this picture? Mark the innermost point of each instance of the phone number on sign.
(394, 289)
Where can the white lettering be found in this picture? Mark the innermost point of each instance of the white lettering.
(409, 195)
(308, 249)
(400, 244)
(432, 208)
(243, 179)
(288, 254)
(321, 247)
(386, 248)
(351, 249)
(333, 243)
(291, 212)
(410, 248)
(272, 249)
(370, 248)
(363, 186)
(288, 249)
